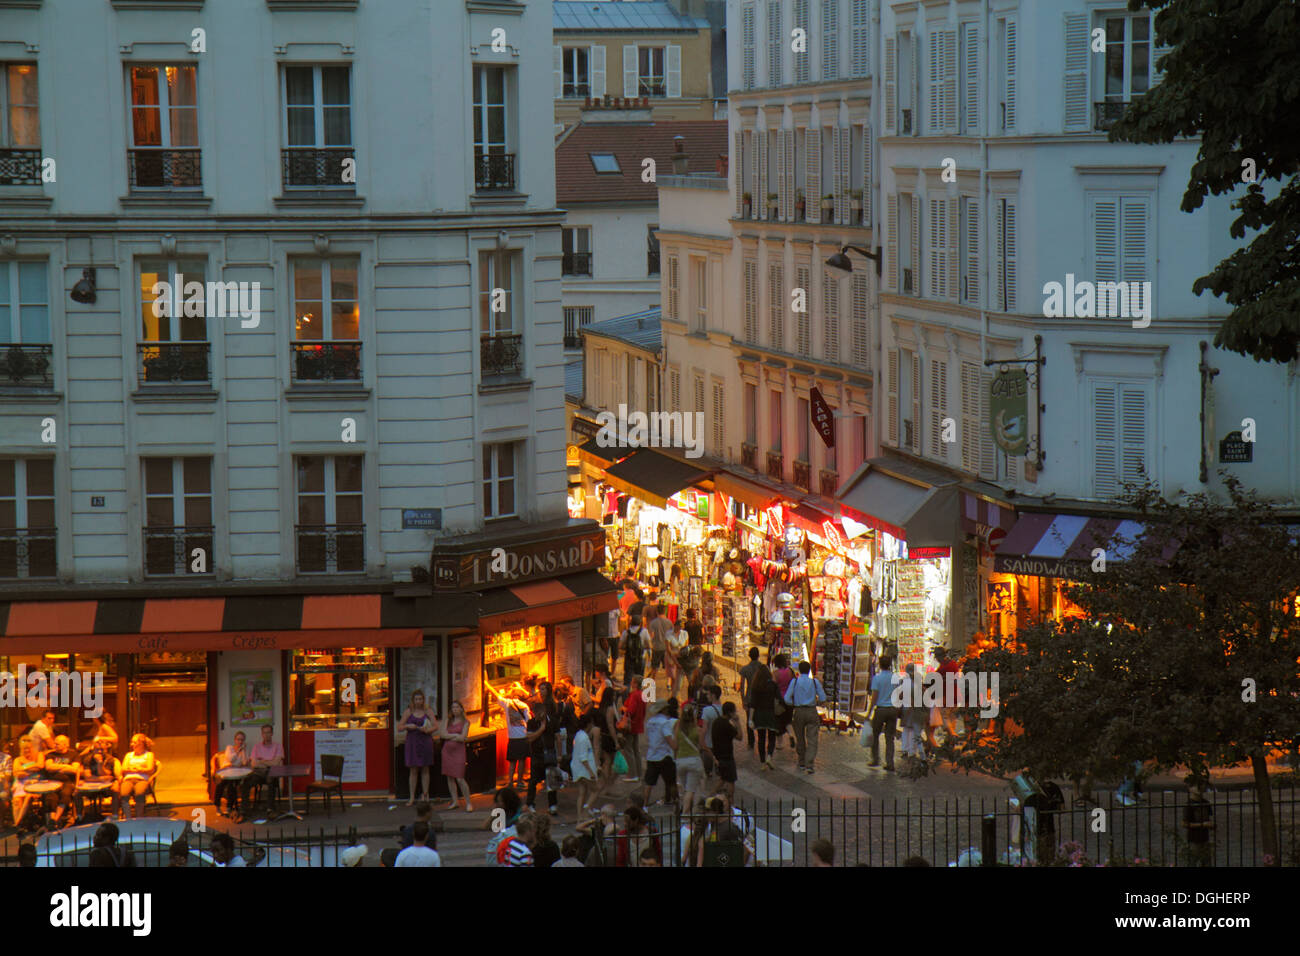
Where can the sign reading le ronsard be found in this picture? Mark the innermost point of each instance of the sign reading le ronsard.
(514, 564)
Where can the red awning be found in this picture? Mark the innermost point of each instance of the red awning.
(546, 602)
(213, 641)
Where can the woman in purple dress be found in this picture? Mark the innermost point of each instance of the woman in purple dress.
(454, 734)
(420, 725)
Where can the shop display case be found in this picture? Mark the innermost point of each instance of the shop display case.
(316, 684)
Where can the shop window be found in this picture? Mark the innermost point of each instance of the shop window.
(316, 683)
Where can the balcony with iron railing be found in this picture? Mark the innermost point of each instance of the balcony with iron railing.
(829, 482)
(326, 361)
(316, 167)
(652, 261)
(749, 455)
(494, 172)
(27, 553)
(501, 355)
(26, 366)
(20, 167)
(178, 551)
(576, 264)
(776, 465)
(1108, 113)
(330, 548)
(153, 167)
(803, 474)
(174, 363)
(572, 90)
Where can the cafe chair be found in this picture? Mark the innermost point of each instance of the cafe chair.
(331, 765)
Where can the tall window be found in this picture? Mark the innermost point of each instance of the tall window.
(776, 42)
(25, 324)
(500, 329)
(27, 532)
(803, 418)
(576, 244)
(747, 45)
(164, 127)
(1128, 55)
(830, 317)
(860, 49)
(1120, 412)
(652, 250)
(672, 284)
(830, 39)
(331, 530)
(576, 318)
(651, 77)
(178, 516)
(907, 245)
(499, 465)
(776, 305)
(327, 320)
(577, 71)
(1007, 73)
(751, 301)
(718, 431)
(701, 282)
(774, 415)
(801, 59)
(494, 162)
(174, 328)
(969, 254)
(803, 320)
(751, 413)
(1004, 252)
(317, 125)
(1121, 244)
(20, 124)
(859, 322)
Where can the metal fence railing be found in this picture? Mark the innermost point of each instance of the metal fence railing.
(300, 846)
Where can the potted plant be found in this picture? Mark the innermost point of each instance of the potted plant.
(800, 203)
(855, 200)
(747, 202)
(828, 203)
(773, 201)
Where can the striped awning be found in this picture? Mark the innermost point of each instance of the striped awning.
(545, 602)
(1062, 545)
(980, 516)
(261, 622)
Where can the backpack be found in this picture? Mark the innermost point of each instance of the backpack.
(503, 851)
(502, 839)
(634, 643)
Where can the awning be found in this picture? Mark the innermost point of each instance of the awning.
(809, 518)
(1062, 545)
(545, 602)
(278, 622)
(751, 492)
(653, 477)
(922, 514)
(981, 517)
(599, 456)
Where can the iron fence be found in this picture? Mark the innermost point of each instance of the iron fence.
(300, 846)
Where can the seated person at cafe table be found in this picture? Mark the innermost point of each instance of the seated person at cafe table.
(233, 756)
(99, 766)
(267, 753)
(62, 766)
(139, 770)
(26, 767)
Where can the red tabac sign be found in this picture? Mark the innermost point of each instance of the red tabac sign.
(823, 418)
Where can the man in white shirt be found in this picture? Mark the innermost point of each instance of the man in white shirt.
(804, 693)
(42, 733)
(418, 853)
(223, 851)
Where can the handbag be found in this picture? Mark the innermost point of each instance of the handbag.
(620, 764)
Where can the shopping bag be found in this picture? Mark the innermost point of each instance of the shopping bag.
(620, 763)
(864, 738)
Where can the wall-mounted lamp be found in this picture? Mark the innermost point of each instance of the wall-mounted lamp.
(84, 290)
(842, 262)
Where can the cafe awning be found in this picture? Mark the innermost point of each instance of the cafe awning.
(653, 477)
(751, 492)
(601, 456)
(907, 506)
(545, 602)
(1062, 545)
(276, 622)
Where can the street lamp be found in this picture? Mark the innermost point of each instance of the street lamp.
(841, 261)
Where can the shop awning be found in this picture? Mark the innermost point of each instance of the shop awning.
(981, 516)
(1062, 545)
(922, 514)
(653, 477)
(545, 602)
(278, 622)
(809, 518)
(600, 456)
(753, 493)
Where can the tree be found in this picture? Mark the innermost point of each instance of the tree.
(1186, 653)
(1231, 79)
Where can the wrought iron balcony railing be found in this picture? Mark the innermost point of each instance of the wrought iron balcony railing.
(316, 167)
(576, 89)
(326, 361)
(652, 87)
(27, 553)
(905, 124)
(27, 366)
(152, 167)
(501, 355)
(326, 548)
(1107, 114)
(829, 482)
(494, 171)
(174, 552)
(652, 262)
(20, 167)
(576, 264)
(776, 465)
(803, 474)
(572, 341)
(174, 363)
(749, 455)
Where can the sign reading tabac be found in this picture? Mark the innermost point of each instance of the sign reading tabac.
(1009, 410)
(516, 563)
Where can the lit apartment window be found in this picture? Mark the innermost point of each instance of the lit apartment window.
(20, 126)
(330, 531)
(327, 321)
(576, 243)
(26, 355)
(164, 151)
(499, 472)
(494, 160)
(178, 516)
(318, 128)
(173, 346)
(27, 533)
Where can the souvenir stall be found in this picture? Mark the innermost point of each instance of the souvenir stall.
(914, 589)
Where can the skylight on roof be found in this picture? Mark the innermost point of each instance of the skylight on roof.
(605, 162)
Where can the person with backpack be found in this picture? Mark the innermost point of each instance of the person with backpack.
(711, 694)
(506, 799)
(633, 644)
(517, 849)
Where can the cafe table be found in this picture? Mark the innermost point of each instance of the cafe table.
(289, 771)
(39, 788)
(94, 788)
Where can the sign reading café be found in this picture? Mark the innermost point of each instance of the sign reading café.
(471, 569)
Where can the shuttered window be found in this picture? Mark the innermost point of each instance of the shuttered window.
(1120, 428)
(891, 423)
(801, 59)
(675, 389)
(747, 44)
(776, 306)
(719, 418)
(970, 79)
(830, 317)
(1120, 226)
(859, 323)
(939, 241)
(1004, 266)
(976, 440)
(938, 406)
(970, 249)
(891, 85)
(775, 42)
(830, 39)
(860, 38)
(751, 301)
(802, 320)
(672, 288)
(1007, 72)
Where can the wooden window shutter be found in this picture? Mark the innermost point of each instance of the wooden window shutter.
(1075, 76)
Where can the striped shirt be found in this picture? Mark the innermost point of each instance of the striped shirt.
(519, 854)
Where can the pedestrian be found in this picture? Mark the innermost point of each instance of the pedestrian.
(569, 850)
(949, 672)
(606, 723)
(178, 854)
(105, 851)
(823, 853)
(223, 852)
(597, 834)
(677, 660)
(455, 734)
(1130, 790)
(686, 750)
(632, 727)
(913, 717)
(659, 731)
(803, 695)
(883, 715)
(517, 716)
(420, 725)
(762, 700)
(726, 731)
(1198, 819)
(27, 853)
(583, 764)
(711, 696)
(714, 825)
(420, 852)
(517, 850)
(506, 800)
(660, 629)
(694, 632)
(544, 760)
(783, 675)
(635, 836)
(703, 677)
(423, 814)
(746, 686)
(546, 852)
(634, 642)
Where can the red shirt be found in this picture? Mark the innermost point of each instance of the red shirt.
(949, 667)
(635, 708)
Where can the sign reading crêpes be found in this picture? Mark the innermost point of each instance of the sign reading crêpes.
(514, 564)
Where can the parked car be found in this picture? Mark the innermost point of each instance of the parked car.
(150, 840)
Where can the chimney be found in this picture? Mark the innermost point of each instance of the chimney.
(680, 159)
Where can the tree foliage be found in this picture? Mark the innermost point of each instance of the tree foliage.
(1232, 78)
